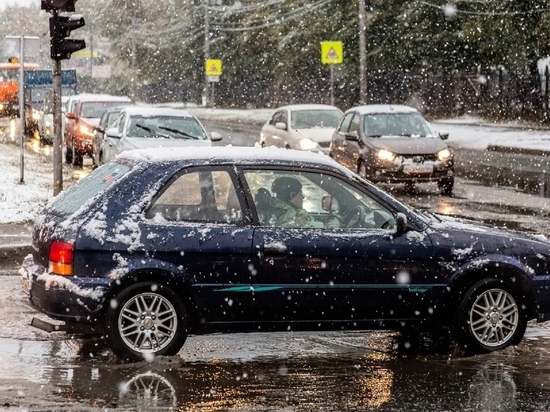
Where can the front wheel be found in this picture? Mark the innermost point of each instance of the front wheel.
(145, 320)
(490, 317)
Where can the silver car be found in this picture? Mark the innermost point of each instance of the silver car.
(301, 127)
(139, 127)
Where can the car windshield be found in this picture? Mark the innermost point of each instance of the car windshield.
(311, 119)
(92, 110)
(174, 127)
(396, 124)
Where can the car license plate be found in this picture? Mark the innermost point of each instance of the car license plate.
(418, 168)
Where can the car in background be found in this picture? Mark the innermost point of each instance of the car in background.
(393, 144)
(140, 127)
(301, 127)
(83, 115)
(159, 244)
(107, 119)
(45, 124)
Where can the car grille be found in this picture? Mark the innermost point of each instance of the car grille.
(324, 144)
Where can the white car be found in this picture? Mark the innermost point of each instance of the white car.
(302, 127)
(139, 127)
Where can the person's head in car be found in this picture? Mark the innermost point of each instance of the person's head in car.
(289, 190)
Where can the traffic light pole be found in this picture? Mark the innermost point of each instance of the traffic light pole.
(57, 132)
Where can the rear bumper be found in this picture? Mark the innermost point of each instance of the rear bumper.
(70, 299)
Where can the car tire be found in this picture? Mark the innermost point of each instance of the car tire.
(490, 317)
(446, 186)
(68, 155)
(78, 160)
(160, 329)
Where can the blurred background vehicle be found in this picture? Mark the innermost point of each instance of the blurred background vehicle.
(107, 119)
(81, 118)
(301, 127)
(393, 144)
(139, 127)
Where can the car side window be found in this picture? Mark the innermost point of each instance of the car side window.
(275, 118)
(301, 199)
(198, 196)
(355, 124)
(344, 126)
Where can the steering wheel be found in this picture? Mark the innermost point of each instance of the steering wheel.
(355, 217)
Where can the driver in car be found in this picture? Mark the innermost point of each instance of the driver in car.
(289, 210)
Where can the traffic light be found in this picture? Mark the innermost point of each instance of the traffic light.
(59, 5)
(60, 29)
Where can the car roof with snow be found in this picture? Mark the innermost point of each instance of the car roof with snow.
(156, 111)
(295, 107)
(234, 155)
(382, 108)
(90, 97)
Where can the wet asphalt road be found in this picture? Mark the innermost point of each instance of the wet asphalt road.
(327, 371)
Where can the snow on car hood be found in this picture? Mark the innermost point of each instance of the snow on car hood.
(409, 145)
(451, 224)
(321, 134)
(132, 143)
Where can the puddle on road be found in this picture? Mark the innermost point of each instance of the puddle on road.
(355, 371)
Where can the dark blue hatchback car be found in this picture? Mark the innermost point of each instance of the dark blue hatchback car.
(161, 244)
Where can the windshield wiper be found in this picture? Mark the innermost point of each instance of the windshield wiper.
(153, 132)
(178, 132)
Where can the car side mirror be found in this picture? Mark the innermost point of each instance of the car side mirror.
(215, 136)
(352, 136)
(113, 132)
(71, 115)
(280, 126)
(400, 223)
(444, 135)
(330, 204)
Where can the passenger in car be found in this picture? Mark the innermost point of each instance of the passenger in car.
(288, 206)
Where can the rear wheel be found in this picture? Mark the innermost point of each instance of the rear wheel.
(68, 155)
(145, 320)
(490, 317)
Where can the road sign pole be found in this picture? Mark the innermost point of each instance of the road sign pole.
(22, 107)
(332, 84)
(57, 132)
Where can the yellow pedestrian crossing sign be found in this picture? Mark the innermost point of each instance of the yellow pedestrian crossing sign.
(332, 52)
(213, 67)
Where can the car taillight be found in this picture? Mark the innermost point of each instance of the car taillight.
(61, 258)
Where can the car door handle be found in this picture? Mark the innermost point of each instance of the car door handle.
(275, 250)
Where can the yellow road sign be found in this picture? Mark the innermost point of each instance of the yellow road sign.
(332, 52)
(213, 67)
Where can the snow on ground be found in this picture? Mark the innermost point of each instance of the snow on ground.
(21, 202)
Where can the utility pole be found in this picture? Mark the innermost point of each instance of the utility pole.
(22, 106)
(206, 96)
(362, 54)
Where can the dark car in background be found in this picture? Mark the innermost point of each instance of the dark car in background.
(81, 119)
(393, 144)
(160, 244)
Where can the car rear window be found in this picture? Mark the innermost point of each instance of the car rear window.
(100, 180)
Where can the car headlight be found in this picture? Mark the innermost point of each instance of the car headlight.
(386, 155)
(87, 130)
(307, 144)
(444, 154)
